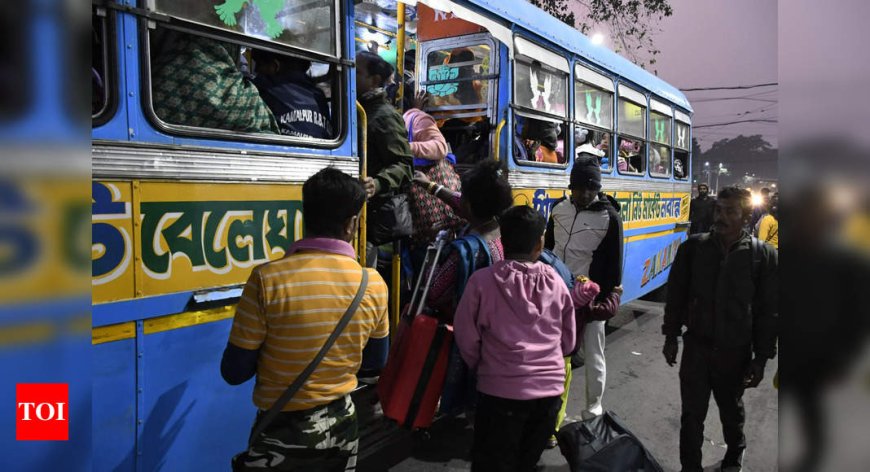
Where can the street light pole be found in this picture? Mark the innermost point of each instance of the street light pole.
(707, 170)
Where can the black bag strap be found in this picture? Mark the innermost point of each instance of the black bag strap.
(300, 380)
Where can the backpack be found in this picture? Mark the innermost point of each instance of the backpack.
(460, 384)
(467, 248)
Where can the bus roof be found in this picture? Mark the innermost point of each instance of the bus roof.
(537, 21)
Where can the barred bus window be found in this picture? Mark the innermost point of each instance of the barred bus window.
(595, 142)
(681, 164)
(15, 60)
(660, 151)
(681, 150)
(538, 141)
(201, 82)
(659, 161)
(631, 156)
(460, 80)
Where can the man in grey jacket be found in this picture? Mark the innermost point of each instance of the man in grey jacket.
(585, 231)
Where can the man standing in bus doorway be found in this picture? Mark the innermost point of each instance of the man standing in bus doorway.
(701, 211)
(585, 231)
(288, 310)
(390, 161)
(723, 288)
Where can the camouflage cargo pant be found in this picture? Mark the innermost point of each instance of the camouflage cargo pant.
(324, 438)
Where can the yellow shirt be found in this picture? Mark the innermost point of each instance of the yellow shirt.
(768, 230)
(288, 309)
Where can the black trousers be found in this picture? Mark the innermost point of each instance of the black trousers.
(704, 369)
(510, 435)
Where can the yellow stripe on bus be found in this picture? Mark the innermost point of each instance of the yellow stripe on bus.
(193, 318)
(117, 332)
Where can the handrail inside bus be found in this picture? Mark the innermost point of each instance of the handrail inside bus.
(363, 171)
(497, 145)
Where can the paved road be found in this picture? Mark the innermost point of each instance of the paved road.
(642, 389)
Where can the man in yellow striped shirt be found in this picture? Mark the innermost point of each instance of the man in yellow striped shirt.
(288, 309)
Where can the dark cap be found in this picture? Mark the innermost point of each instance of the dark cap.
(586, 173)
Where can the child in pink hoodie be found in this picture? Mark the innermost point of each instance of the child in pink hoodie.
(514, 325)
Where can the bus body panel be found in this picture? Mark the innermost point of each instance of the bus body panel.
(115, 403)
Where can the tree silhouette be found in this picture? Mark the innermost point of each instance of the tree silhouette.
(741, 155)
(631, 22)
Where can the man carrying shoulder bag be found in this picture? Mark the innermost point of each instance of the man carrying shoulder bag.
(305, 321)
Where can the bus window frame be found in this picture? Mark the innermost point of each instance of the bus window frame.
(592, 78)
(339, 84)
(110, 70)
(664, 110)
(624, 92)
(470, 40)
(566, 124)
(338, 10)
(526, 49)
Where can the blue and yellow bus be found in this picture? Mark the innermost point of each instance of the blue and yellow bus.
(183, 208)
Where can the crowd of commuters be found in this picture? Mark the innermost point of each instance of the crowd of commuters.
(519, 324)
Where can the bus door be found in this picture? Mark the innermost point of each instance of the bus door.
(459, 68)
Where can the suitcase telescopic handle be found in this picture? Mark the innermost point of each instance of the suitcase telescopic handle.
(427, 271)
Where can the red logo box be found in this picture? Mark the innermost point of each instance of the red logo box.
(42, 412)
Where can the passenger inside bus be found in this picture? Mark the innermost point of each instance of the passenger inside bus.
(681, 165)
(468, 136)
(539, 141)
(630, 156)
(660, 161)
(594, 142)
(197, 81)
(300, 107)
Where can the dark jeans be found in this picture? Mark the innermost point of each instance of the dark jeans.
(704, 369)
(510, 435)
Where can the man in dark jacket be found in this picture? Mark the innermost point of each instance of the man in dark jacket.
(585, 231)
(390, 161)
(723, 288)
(701, 211)
(301, 108)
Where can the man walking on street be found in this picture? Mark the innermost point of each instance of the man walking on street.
(585, 231)
(701, 211)
(723, 288)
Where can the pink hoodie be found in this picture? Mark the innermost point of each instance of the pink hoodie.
(514, 325)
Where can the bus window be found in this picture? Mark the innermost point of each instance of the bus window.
(224, 86)
(681, 151)
(539, 141)
(660, 150)
(460, 78)
(101, 71)
(302, 24)
(541, 92)
(630, 159)
(593, 110)
(631, 154)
